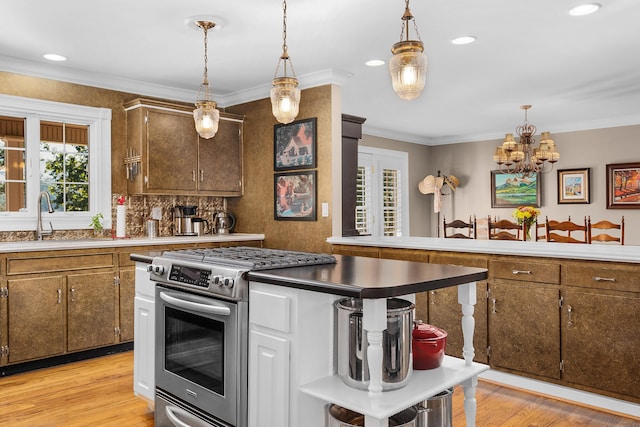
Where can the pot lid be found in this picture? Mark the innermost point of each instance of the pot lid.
(424, 331)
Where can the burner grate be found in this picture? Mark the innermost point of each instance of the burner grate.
(251, 258)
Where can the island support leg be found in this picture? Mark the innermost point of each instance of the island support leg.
(467, 299)
(374, 320)
(470, 406)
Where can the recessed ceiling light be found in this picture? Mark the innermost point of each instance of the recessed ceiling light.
(374, 62)
(463, 40)
(584, 9)
(54, 57)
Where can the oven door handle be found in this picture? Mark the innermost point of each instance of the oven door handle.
(209, 308)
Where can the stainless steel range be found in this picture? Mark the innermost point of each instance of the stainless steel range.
(202, 315)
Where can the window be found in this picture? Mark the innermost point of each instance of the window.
(382, 192)
(59, 148)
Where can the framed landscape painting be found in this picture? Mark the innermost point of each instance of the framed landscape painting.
(295, 196)
(510, 190)
(623, 186)
(574, 186)
(294, 145)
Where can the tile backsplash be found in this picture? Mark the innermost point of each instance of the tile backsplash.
(139, 208)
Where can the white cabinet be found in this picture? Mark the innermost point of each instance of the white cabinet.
(290, 344)
(269, 390)
(144, 336)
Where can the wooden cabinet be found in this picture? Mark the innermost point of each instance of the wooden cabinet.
(524, 316)
(600, 340)
(599, 328)
(126, 297)
(91, 310)
(36, 318)
(444, 308)
(174, 159)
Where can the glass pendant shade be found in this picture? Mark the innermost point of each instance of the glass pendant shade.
(206, 116)
(285, 99)
(408, 68)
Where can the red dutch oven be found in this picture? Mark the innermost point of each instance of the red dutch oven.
(428, 345)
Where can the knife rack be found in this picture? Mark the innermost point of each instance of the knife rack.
(132, 164)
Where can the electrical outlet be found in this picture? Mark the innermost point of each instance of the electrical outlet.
(325, 209)
(156, 213)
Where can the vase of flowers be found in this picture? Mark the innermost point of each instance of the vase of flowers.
(526, 215)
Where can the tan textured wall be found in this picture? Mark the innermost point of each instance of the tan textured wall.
(255, 209)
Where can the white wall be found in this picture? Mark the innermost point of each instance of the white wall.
(472, 164)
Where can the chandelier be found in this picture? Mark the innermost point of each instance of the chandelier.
(285, 95)
(523, 157)
(206, 115)
(408, 66)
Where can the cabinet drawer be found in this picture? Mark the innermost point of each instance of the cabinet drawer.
(525, 271)
(602, 276)
(465, 260)
(58, 263)
(270, 310)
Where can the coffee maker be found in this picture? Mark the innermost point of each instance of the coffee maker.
(183, 220)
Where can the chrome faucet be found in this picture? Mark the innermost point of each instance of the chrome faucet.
(39, 231)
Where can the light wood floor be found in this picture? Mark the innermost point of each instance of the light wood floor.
(98, 392)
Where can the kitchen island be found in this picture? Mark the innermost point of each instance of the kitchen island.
(587, 309)
(292, 351)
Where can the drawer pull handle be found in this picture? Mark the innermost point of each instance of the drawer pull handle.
(569, 318)
(521, 272)
(59, 296)
(433, 297)
(604, 279)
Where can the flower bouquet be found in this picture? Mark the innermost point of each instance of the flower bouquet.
(526, 215)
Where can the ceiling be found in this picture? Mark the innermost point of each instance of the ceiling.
(577, 72)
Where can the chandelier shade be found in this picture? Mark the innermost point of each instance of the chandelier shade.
(522, 157)
(206, 115)
(408, 65)
(285, 94)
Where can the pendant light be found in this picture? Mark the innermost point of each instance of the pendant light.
(285, 95)
(206, 115)
(408, 66)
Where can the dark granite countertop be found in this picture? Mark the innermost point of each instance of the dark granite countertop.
(362, 277)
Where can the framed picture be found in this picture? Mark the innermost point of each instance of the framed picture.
(295, 196)
(294, 145)
(510, 190)
(623, 186)
(574, 186)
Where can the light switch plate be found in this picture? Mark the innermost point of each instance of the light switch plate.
(325, 209)
(156, 213)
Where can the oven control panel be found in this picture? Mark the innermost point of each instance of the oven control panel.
(200, 277)
(190, 275)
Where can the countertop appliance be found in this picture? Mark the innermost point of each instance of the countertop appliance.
(183, 220)
(202, 317)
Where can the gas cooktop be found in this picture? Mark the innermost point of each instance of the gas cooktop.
(250, 258)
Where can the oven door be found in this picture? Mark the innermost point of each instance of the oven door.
(197, 351)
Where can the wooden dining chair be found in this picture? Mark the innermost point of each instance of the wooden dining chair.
(505, 230)
(459, 229)
(608, 226)
(564, 231)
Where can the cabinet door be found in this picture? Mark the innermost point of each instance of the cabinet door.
(91, 307)
(601, 341)
(524, 328)
(127, 291)
(268, 380)
(143, 354)
(172, 152)
(220, 160)
(36, 321)
(445, 313)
